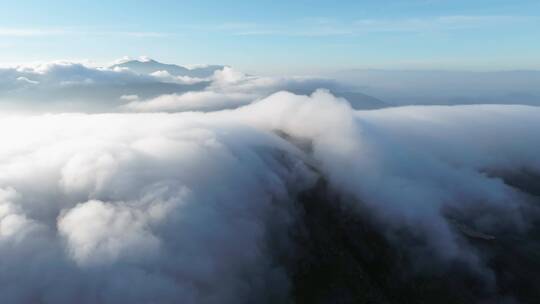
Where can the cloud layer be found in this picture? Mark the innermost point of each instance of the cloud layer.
(142, 208)
(76, 87)
(417, 166)
(156, 87)
(109, 208)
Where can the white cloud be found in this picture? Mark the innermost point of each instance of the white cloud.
(169, 207)
(167, 77)
(228, 89)
(191, 101)
(415, 166)
(118, 207)
(99, 233)
(26, 80)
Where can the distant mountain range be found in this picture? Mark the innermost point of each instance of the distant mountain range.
(76, 87)
(361, 101)
(358, 100)
(150, 66)
(399, 87)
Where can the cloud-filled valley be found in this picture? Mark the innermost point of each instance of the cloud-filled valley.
(150, 183)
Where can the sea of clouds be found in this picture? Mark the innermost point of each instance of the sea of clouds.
(133, 87)
(196, 206)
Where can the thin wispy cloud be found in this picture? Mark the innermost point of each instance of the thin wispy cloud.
(25, 32)
(41, 32)
(441, 23)
(317, 27)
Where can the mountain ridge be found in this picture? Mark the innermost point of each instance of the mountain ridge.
(150, 66)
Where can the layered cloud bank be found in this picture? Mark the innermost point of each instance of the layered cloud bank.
(198, 207)
(153, 86)
(146, 85)
(142, 209)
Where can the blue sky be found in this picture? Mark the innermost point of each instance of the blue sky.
(279, 36)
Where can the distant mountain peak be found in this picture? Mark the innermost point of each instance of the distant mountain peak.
(147, 65)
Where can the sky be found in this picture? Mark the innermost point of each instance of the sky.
(279, 36)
